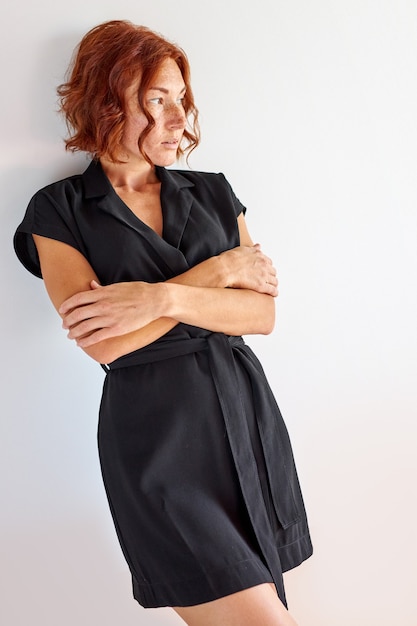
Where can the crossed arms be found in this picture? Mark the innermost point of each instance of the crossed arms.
(108, 322)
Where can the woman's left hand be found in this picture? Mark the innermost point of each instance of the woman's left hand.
(110, 311)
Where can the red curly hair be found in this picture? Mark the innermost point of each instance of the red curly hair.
(107, 61)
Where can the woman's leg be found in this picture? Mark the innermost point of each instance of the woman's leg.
(257, 606)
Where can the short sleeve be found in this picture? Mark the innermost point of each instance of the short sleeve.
(45, 217)
(238, 206)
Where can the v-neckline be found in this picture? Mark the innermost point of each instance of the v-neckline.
(135, 216)
(176, 203)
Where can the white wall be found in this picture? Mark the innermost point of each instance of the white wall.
(309, 107)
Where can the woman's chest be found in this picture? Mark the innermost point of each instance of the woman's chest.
(120, 246)
(145, 205)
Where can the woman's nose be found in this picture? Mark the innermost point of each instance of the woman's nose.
(176, 116)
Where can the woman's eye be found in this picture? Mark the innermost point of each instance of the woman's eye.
(160, 101)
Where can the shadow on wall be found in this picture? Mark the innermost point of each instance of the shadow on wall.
(50, 65)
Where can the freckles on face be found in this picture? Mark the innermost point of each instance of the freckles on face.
(164, 102)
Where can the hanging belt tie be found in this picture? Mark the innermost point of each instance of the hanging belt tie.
(227, 386)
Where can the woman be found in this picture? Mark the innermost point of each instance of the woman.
(156, 277)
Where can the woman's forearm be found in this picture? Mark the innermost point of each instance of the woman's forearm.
(111, 349)
(108, 322)
(213, 272)
(231, 311)
(245, 268)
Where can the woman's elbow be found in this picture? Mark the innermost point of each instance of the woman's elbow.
(101, 353)
(268, 326)
(266, 320)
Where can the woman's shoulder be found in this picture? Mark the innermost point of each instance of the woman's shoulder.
(197, 176)
(211, 188)
(199, 182)
(61, 187)
(92, 182)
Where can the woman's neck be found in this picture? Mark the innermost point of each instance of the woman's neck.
(131, 175)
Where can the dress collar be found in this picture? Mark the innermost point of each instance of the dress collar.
(176, 202)
(96, 183)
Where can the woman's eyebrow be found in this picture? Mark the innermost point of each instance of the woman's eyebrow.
(164, 90)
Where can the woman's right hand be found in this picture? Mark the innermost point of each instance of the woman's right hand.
(247, 267)
(111, 311)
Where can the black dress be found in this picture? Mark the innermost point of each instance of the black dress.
(195, 456)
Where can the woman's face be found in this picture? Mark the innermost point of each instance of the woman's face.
(164, 101)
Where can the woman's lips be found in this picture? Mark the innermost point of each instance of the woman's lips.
(171, 144)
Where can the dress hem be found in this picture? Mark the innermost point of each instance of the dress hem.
(205, 588)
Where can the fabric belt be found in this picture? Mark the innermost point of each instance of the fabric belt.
(223, 369)
(160, 351)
